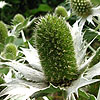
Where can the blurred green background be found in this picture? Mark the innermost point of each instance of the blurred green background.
(27, 8)
(31, 7)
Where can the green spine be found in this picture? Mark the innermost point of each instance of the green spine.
(3, 32)
(10, 51)
(18, 18)
(61, 11)
(55, 48)
(81, 7)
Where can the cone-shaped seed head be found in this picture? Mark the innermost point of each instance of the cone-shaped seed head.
(81, 7)
(18, 18)
(3, 32)
(61, 11)
(10, 51)
(55, 47)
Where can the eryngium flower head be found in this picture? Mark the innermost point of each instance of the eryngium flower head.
(10, 51)
(61, 11)
(81, 7)
(55, 48)
(3, 32)
(18, 18)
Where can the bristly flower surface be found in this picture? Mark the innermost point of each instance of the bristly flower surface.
(81, 7)
(3, 32)
(55, 45)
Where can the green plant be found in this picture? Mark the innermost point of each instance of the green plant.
(81, 7)
(18, 18)
(3, 32)
(60, 64)
(10, 51)
(61, 11)
(53, 42)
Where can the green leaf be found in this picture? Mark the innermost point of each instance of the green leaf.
(4, 70)
(9, 39)
(89, 35)
(49, 90)
(41, 8)
(44, 8)
(83, 94)
(92, 97)
(1, 81)
(95, 2)
(1, 47)
(18, 41)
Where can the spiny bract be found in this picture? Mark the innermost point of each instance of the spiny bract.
(61, 11)
(10, 51)
(81, 7)
(55, 48)
(18, 18)
(3, 32)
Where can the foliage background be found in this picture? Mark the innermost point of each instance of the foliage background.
(27, 8)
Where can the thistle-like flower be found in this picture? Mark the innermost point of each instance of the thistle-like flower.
(85, 10)
(53, 42)
(82, 7)
(10, 51)
(3, 32)
(18, 18)
(61, 11)
(59, 58)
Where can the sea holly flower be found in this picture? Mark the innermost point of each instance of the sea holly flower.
(19, 24)
(18, 18)
(61, 11)
(82, 7)
(3, 32)
(85, 10)
(10, 51)
(59, 63)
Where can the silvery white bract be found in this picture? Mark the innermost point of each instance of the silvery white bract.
(3, 3)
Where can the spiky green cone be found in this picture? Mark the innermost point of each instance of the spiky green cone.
(18, 18)
(61, 11)
(81, 7)
(3, 32)
(10, 51)
(55, 48)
